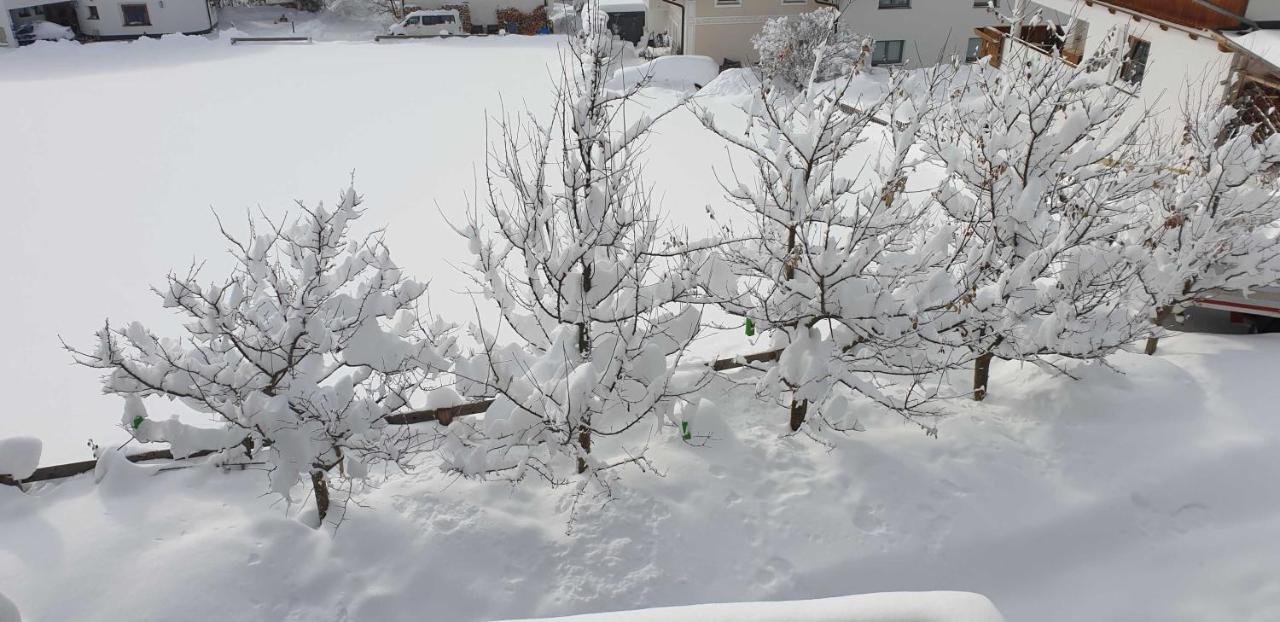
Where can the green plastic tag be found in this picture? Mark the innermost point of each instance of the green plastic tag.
(751, 327)
(137, 421)
(684, 431)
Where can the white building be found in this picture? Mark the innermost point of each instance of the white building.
(909, 32)
(111, 19)
(1180, 54)
(919, 33)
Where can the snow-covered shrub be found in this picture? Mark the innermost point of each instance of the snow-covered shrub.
(838, 267)
(1042, 171)
(298, 356)
(1214, 223)
(797, 49)
(568, 247)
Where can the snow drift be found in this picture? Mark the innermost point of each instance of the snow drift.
(884, 607)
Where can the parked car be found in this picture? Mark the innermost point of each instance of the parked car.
(422, 23)
(40, 30)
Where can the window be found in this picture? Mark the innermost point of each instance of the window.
(982, 4)
(795, 1)
(412, 21)
(972, 50)
(93, 12)
(728, 2)
(24, 12)
(1135, 62)
(887, 52)
(135, 15)
(895, 4)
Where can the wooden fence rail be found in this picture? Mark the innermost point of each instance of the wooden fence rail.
(235, 40)
(443, 416)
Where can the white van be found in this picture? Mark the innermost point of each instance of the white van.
(438, 22)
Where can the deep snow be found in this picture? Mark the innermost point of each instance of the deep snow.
(1142, 495)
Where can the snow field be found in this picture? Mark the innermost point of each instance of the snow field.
(1142, 493)
(1126, 496)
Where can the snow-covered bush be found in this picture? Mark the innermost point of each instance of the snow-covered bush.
(1042, 171)
(797, 49)
(838, 267)
(298, 356)
(1213, 224)
(569, 248)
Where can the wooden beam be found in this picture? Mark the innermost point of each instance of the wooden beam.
(443, 416)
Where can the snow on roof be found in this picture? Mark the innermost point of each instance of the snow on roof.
(624, 6)
(1264, 44)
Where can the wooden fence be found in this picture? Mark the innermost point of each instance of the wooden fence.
(442, 416)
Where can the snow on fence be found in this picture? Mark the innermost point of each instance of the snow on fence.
(443, 416)
(298, 39)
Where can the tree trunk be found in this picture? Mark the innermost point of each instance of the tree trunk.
(321, 487)
(798, 411)
(1162, 316)
(584, 441)
(584, 349)
(981, 373)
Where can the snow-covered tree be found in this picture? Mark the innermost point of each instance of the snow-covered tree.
(1042, 168)
(298, 356)
(796, 49)
(836, 261)
(1214, 223)
(571, 250)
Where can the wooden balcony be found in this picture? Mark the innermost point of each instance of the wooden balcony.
(1039, 38)
(1184, 12)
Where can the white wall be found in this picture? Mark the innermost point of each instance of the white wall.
(1179, 67)
(167, 17)
(930, 29)
(6, 29)
(1263, 10)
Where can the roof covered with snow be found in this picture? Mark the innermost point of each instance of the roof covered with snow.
(1265, 44)
(624, 6)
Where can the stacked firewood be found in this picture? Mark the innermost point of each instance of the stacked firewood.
(526, 23)
(464, 11)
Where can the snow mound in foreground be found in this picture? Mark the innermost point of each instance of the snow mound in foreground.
(882, 607)
(19, 457)
(8, 610)
(672, 72)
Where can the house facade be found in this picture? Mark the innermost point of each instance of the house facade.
(1179, 55)
(110, 19)
(919, 33)
(908, 32)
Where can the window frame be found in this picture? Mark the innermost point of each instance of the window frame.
(124, 15)
(92, 13)
(902, 46)
(722, 4)
(977, 49)
(1126, 68)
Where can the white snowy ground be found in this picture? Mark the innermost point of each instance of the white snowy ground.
(1147, 495)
